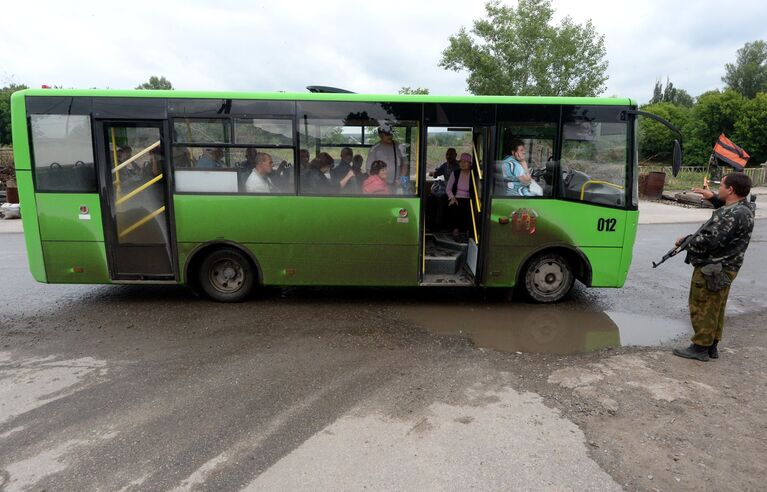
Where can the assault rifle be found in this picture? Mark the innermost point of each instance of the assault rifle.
(678, 249)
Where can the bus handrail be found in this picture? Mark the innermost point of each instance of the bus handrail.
(143, 152)
(593, 182)
(141, 222)
(138, 190)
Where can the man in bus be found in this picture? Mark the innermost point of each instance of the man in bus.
(211, 158)
(716, 253)
(259, 180)
(388, 151)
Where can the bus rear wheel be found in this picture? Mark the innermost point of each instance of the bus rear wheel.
(548, 277)
(227, 275)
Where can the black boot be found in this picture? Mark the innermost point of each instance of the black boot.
(713, 352)
(698, 352)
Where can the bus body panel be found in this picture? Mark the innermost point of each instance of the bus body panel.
(519, 227)
(73, 242)
(23, 165)
(605, 266)
(76, 262)
(62, 219)
(629, 238)
(309, 240)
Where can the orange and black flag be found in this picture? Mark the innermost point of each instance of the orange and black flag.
(728, 152)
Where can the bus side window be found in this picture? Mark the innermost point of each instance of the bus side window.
(524, 163)
(62, 148)
(594, 162)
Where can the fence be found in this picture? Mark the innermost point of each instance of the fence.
(6, 157)
(692, 176)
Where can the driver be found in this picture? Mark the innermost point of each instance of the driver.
(516, 174)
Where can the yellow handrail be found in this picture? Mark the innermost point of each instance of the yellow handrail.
(591, 182)
(141, 222)
(148, 149)
(476, 195)
(138, 190)
(114, 154)
(474, 222)
(476, 159)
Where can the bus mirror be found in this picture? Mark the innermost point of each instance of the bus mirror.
(677, 159)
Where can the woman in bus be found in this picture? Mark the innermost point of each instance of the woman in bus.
(459, 194)
(376, 182)
(317, 178)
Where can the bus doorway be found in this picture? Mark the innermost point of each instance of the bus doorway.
(135, 202)
(453, 204)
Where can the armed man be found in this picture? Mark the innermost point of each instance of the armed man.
(716, 252)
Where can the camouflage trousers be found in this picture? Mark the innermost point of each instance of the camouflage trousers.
(707, 309)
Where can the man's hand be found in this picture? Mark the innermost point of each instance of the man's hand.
(707, 194)
(679, 240)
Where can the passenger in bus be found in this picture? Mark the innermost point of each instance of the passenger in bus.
(359, 176)
(448, 167)
(516, 173)
(390, 152)
(259, 181)
(377, 182)
(459, 195)
(244, 168)
(343, 167)
(317, 178)
(211, 158)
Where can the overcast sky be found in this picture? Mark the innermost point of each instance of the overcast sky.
(371, 46)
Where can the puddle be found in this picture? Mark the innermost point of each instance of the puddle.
(546, 329)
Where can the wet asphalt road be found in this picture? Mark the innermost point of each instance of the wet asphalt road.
(150, 388)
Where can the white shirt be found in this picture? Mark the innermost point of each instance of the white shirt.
(385, 152)
(257, 183)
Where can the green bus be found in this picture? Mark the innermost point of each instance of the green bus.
(226, 192)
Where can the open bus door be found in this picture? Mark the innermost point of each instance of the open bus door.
(135, 200)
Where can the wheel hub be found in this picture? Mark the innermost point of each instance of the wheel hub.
(226, 276)
(548, 277)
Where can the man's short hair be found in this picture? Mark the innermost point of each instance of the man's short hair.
(516, 143)
(739, 182)
(262, 157)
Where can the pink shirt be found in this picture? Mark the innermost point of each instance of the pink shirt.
(463, 185)
(375, 185)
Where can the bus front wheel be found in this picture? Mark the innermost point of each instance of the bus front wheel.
(227, 275)
(548, 277)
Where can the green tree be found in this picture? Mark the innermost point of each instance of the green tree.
(748, 75)
(671, 95)
(519, 51)
(655, 140)
(414, 90)
(751, 128)
(715, 112)
(5, 111)
(157, 84)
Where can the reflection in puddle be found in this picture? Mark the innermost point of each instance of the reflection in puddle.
(545, 329)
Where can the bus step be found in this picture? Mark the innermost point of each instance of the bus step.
(443, 262)
(460, 279)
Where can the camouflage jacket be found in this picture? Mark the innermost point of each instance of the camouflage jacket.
(725, 237)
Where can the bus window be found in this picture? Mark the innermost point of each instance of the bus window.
(202, 130)
(594, 162)
(525, 166)
(203, 165)
(62, 147)
(371, 131)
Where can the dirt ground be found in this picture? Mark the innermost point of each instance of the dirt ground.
(658, 422)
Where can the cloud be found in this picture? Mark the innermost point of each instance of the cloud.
(364, 46)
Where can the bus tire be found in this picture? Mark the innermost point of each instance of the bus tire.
(227, 275)
(547, 277)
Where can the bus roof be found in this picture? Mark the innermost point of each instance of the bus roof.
(351, 97)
